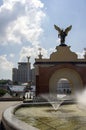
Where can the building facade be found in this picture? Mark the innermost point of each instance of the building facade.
(23, 73)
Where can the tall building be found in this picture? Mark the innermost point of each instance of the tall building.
(23, 73)
(15, 75)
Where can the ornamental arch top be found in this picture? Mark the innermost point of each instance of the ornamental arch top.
(63, 63)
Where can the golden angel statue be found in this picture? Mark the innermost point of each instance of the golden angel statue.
(62, 33)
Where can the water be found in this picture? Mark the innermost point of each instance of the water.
(81, 99)
(68, 117)
(54, 99)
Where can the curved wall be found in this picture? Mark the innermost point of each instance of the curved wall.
(10, 122)
(70, 74)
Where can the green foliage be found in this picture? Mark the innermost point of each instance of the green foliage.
(3, 81)
(2, 92)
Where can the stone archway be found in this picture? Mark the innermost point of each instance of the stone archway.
(64, 86)
(69, 74)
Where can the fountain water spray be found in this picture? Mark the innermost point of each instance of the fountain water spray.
(81, 99)
(54, 99)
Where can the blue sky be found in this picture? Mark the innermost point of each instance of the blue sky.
(27, 25)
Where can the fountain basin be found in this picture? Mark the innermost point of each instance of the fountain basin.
(34, 116)
(44, 117)
(10, 122)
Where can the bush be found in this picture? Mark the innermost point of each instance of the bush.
(2, 92)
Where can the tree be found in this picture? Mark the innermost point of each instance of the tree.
(2, 92)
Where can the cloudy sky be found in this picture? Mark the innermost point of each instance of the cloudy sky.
(27, 25)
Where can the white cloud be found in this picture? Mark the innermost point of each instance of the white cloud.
(4, 63)
(80, 55)
(20, 20)
(20, 23)
(33, 52)
(5, 67)
(12, 55)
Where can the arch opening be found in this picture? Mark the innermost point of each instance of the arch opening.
(70, 75)
(64, 86)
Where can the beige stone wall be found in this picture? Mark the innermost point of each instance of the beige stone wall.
(63, 54)
(70, 74)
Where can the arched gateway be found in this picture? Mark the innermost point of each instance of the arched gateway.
(62, 64)
(71, 75)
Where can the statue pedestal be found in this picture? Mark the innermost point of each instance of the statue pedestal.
(63, 53)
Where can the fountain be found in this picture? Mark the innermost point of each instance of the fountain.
(40, 115)
(54, 99)
(80, 97)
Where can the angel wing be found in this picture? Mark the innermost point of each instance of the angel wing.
(68, 29)
(57, 28)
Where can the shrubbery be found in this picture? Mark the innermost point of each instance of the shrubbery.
(2, 92)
